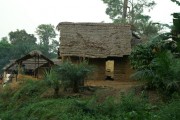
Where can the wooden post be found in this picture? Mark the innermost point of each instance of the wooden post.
(132, 5)
(62, 58)
(38, 67)
(35, 67)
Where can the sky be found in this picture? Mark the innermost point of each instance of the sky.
(28, 14)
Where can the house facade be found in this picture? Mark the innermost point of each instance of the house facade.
(104, 45)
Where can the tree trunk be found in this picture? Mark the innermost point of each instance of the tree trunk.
(125, 10)
(56, 91)
(76, 86)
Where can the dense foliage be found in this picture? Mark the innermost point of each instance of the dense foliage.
(73, 75)
(22, 43)
(161, 73)
(4, 56)
(67, 75)
(158, 63)
(143, 54)
(158, 60)
(47, 34)
(52, 79)
(27, 102)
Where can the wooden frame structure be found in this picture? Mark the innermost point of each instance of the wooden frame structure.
(32, 61)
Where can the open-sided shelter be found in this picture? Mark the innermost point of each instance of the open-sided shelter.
(33, 64)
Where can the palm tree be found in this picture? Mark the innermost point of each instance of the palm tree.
(163, 73)
(74, 74)
(52, 80)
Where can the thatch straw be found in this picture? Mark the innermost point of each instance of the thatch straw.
(95, 40)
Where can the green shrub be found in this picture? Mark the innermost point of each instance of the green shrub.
(170, 111)
(53, 80)
(5, 97)
(128, 107)
(131, 103)
(162, 74)
(26, 104)
(133, 107)
(6, 93)
(29, 89)
(54, 109)
(74, 74)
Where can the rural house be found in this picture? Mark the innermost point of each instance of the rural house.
(104, 45)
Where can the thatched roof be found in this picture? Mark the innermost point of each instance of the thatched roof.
(29, 64)
(35, 53)
(94, 40)
(32, 60)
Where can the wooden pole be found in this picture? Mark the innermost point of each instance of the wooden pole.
(38, 67)
(132, 12)
(35, 67)
(62, 58)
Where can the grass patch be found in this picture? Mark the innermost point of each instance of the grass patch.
(27, 103)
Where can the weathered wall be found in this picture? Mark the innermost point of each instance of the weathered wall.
(122, 68)
(99, 69)
(41, 72)
(94, 40)
(97, 64)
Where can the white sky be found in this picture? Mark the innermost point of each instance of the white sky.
(28, 14)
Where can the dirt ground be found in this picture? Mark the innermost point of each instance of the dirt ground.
(112, 88)
(125, 85)
(116, 87)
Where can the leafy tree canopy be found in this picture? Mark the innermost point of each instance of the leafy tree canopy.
(22, 43)
(176, 1)
(115, 9)
(20, 36)
(46, 33)
(4, 40)
(141, 23)
(48, 45)
(5, 52)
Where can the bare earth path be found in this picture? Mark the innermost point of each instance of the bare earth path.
(125, 85)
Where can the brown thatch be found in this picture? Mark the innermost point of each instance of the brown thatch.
(33, 60)
(94, 40)
(37, 54)
(29, 64)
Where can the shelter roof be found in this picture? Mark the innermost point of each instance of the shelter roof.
(32, 60)
(94, 40)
